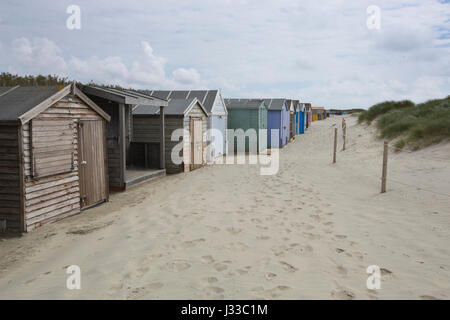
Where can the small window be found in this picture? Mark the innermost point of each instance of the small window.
(52, 147)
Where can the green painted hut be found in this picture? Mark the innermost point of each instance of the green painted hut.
(248, 114)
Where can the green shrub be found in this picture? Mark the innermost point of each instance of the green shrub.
(417, 125)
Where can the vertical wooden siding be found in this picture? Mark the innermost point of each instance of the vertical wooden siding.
(9, 177)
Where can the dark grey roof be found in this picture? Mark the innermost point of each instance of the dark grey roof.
(275, 104)
(244, 103)
(206, 97)
(124, 96)
(159, 93)
(143, 110)
(179, 95)
(175, 107)
(19, 100)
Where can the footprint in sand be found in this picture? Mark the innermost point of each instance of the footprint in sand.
(191, 243)
(237, 246)
(288, 267)
(342, 294)
(276, 292)
(207, 259)
(219, 267)
(177, 266)
(234, 231)
(211, 280)
(312, 236)
(241, 272)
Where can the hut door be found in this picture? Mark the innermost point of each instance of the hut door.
(196, 143)
(91, 157)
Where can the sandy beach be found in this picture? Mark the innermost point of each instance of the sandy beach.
(226, 232)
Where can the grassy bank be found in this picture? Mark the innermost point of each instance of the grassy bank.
(412, 126)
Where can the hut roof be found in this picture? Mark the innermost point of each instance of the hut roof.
(177, 107)
(16, 101)
(206, 97)
(244, 103)
(23, 103)
(124, 96)
(275, 104)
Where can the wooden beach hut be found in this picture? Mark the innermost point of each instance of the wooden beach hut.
(52, 155)
(308, 112)
(248, 114)
(213, 102)
(277, 119)
(188, 114)
(126, 159)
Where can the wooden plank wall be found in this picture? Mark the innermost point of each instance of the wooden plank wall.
(9, 177)
(146, 129)
(54, 197)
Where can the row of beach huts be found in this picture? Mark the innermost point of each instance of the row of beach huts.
(63, 149)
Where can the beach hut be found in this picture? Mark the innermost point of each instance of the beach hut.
(291, 108)
(183, 151)
(52, 155)
(301, 118)
(277, 119)
(308, 112)
(126, 159)
(214, 104)
(317, 113)
(248, 114)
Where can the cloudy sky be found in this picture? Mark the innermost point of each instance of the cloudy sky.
(316, 51)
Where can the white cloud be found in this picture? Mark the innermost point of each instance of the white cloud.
(42, 56)
(37, 56)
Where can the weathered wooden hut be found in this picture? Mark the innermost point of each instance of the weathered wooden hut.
(248, 114)
(214, 104)
(189, 146)
(126, 159)
(52, 155)
(277, 119)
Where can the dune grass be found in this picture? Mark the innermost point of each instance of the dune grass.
(414, 126)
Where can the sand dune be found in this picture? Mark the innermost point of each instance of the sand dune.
(226, 232)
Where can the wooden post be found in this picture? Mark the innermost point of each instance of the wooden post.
(384, 172)
(162, 144)
(335, 145)
(344, 133)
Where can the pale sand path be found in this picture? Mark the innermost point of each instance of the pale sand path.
(226, 232)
